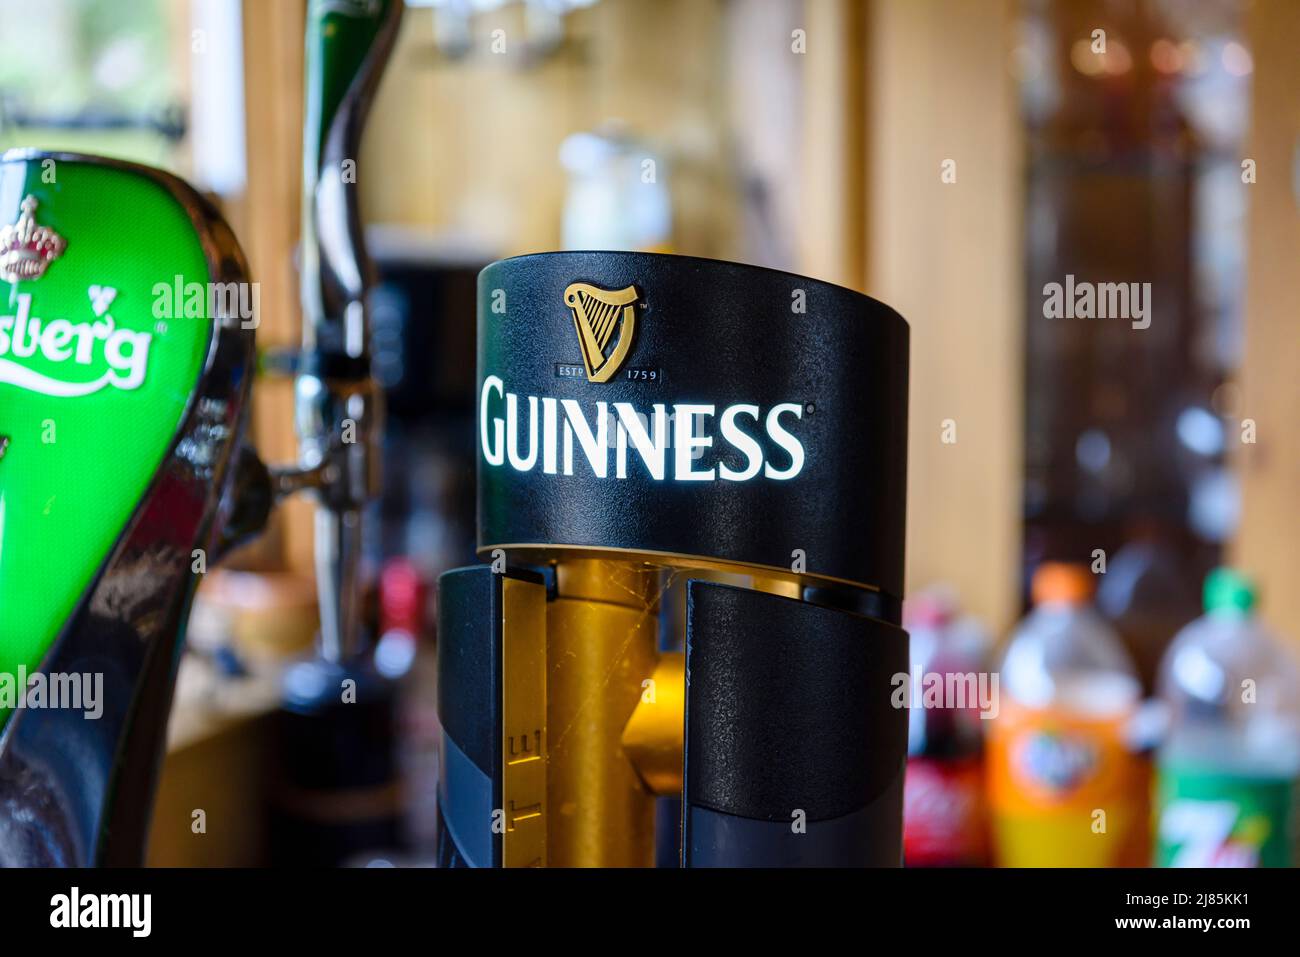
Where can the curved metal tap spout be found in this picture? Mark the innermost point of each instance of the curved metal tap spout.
(339, 408)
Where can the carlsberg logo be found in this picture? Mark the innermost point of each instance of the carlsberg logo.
(119, 356)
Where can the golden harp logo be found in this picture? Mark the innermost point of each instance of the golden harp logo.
(597, 315)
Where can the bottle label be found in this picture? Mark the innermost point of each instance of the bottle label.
(944, 819)
(1064, 790)
(1215, 819)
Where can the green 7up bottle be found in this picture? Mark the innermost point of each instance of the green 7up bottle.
(125, 358)
(1226, 787)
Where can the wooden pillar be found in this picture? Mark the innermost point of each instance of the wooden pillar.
(832, 225)
(1269, 468)
(266, 219)
(948, 256)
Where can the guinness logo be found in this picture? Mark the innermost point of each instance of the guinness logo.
(597, 315)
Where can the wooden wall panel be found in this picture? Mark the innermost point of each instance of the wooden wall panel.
(266, 219)
(833, 142)
(949, 258)
(1266, 545)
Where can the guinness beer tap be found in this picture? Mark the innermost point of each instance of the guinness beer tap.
(646, 418)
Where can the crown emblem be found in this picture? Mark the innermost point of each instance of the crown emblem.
(26, 250)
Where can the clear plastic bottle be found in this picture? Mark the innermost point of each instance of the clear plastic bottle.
(1065, 789)
(1226, 781)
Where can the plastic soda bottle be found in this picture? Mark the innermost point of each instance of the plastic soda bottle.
(944, 818)
(1226, 773)
(1065, 789)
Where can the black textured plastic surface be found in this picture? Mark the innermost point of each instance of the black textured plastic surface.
(870, 837)
(722, 334)
(788, 706)
(469, 639)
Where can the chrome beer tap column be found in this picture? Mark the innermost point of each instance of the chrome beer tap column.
(336, 793)
(339, 409)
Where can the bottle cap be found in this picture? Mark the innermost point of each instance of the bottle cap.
(1226, 589)
(1062, 582)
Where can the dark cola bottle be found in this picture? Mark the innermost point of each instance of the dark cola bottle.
(945, 822)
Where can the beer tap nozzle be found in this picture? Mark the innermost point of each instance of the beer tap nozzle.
(338, 406)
